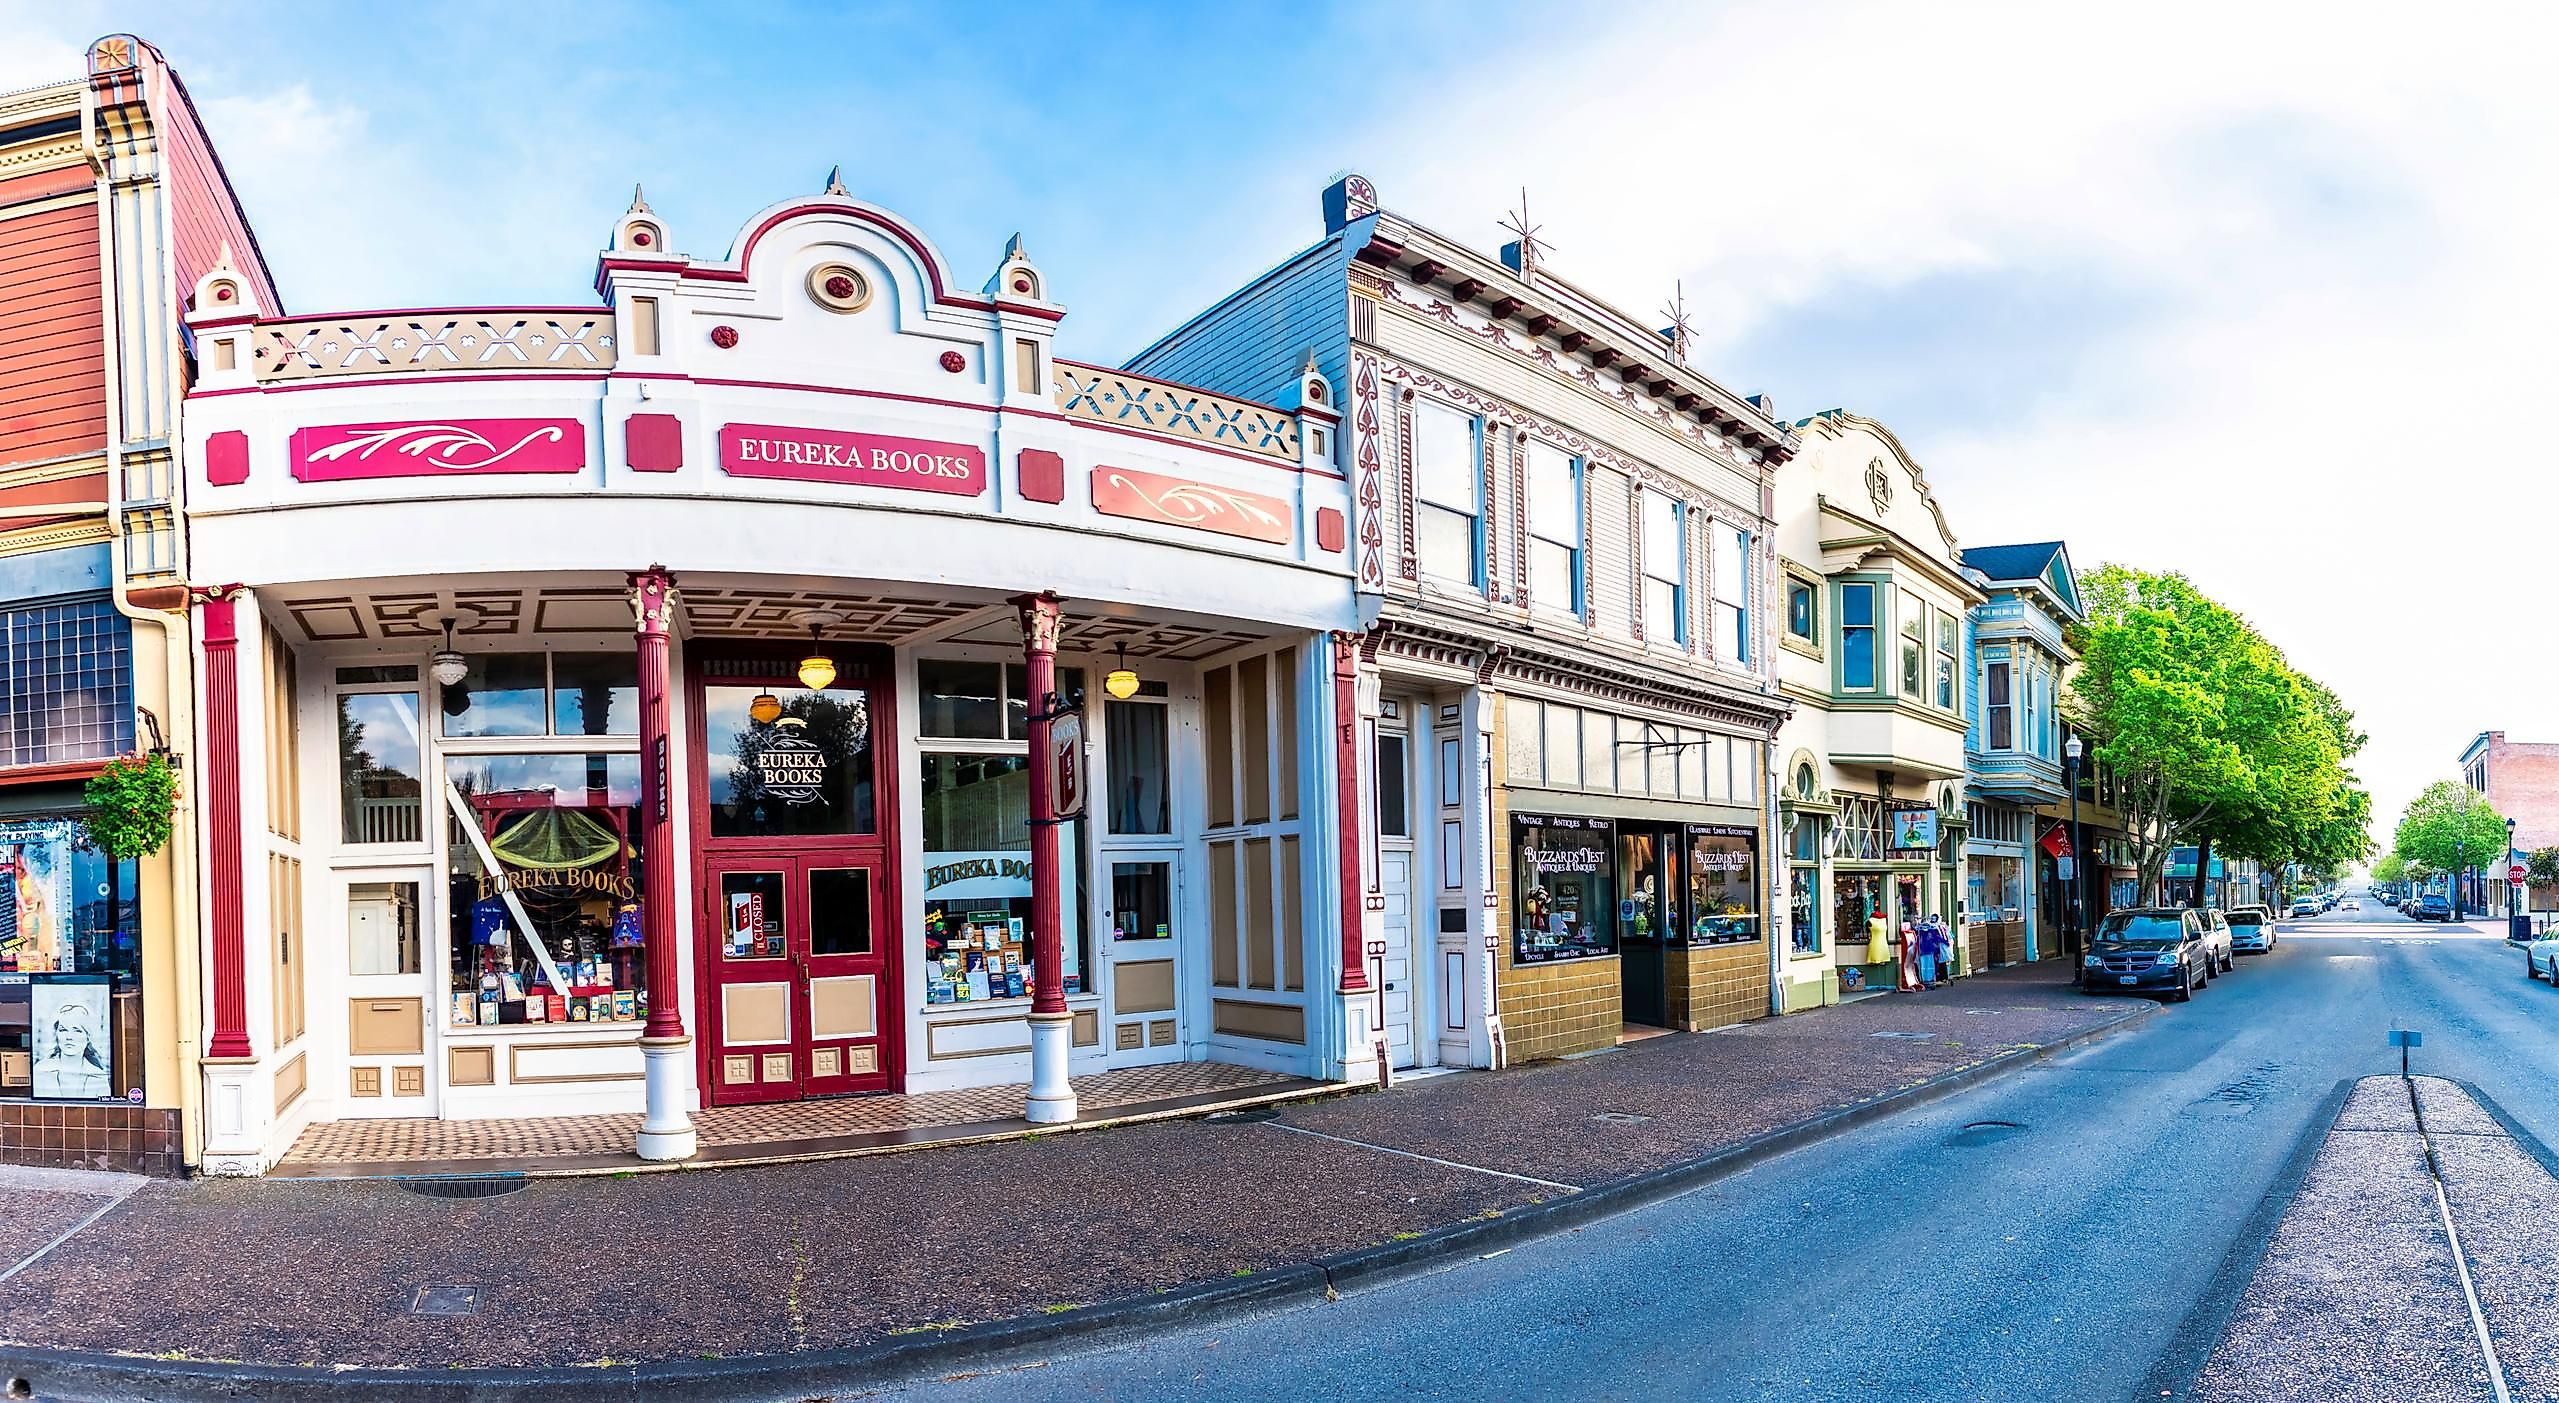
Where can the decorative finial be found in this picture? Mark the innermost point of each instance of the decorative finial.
(1013, 248)
(222, 260)
(1678, 332)
(639, 203)
(1524, 238)
(835, 182)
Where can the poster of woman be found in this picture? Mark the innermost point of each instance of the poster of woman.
(36, 901)
(69, 1025)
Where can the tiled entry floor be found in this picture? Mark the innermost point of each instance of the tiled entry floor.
(735, 1134)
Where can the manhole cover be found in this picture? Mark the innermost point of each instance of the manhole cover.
(449, 1298)
(1621, 1118)
(1250, 1115)
(1896, 1033)
(1984, 1132)
(463, 1185)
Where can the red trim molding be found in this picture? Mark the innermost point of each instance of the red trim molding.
(59, 772)
(221, 768)
(1346, 801)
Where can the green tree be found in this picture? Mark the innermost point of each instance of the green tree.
(2212, 737)
(2390, 870)
(2542, 866)
(2451, 826)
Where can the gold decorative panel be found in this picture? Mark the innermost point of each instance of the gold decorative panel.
(843, 1006)
(471, 1066)
(777, 1066)
(1142, 986)
(860, 1061)
(1128, 1037)
(408, 1081)
(1284, 1023)
(737, 1071)
(1161, 1032)
(364, 1081)
(755, 1013)
(1087, 1028)
(386, 1027)
(826, 1062)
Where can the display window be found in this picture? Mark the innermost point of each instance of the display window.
(1563, 888)
(1857, 901)
(543, 866)
(1994, 888)
(788, 762)
(70, 966)
(976, 903)
(1723, 884)
(380, 770)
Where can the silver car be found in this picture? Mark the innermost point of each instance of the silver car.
(2252, 930)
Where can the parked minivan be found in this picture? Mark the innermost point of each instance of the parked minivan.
(2149, 950)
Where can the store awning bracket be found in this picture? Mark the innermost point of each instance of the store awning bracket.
(469, 822)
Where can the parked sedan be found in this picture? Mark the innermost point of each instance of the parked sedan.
(2149, 950)
(2431, 907)
(2252, 930)
(2541, 958)
(2304, 907)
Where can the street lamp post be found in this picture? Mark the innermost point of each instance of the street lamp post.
(2078, 875)
(2514, 892)
(2460, 860)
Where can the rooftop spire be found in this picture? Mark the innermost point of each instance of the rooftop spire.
(835, 182)
(639, 203)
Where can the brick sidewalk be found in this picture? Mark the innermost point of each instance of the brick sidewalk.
(847, 1253)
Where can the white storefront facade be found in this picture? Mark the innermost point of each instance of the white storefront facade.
(859, 511)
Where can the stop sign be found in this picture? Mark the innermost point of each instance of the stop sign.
(2515, 874)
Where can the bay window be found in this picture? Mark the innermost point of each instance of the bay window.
(1447, 491)
(1857, 638)
(1554, 529)
(1914, 646)
(1665, 544)
(2000, 729)
(1949, 638)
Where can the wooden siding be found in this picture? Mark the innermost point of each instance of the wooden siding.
(204, 213)
(1611, 506)
(1252, 344)
(19, 501)
(53, 386)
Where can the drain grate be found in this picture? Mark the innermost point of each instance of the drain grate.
(461, 1186)
(446, 1298)
(1985, 1132)
(1250, 1115)
(1621, 1118)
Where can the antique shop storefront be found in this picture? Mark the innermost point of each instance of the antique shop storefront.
(736, 692)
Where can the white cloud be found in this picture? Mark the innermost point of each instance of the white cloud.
(2332, 220)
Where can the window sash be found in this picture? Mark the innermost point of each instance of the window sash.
(1554, 496)
(1995, 691)
(1857, 660)
(1445, 471)
(1803, 613)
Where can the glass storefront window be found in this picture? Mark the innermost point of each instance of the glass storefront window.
(1723, 884)
(71, 998)
(1803, 886)
(380, 794)
(1649, 914)
(1912, 890)
(595, 694)
(1141, 901)
(1140, 779)
(807, 771)
(1563, 892)
(503, 694)
(977, 881)
(1856, 902)
(544, 858)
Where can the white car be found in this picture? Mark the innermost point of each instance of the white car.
(2354, 904)
(2541, 958)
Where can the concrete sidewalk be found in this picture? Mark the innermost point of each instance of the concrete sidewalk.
(2363, 1293)
(755, 1282)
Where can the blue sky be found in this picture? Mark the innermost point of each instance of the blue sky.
(2204, 287)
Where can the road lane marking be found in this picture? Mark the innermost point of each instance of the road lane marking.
(1409, 1154)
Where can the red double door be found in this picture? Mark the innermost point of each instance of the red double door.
(795, 934)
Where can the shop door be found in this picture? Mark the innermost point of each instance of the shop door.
(1394, 968)
(1647, 918)
(800, 979)
(387, 999)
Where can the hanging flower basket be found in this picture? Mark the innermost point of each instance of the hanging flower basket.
(132, 806)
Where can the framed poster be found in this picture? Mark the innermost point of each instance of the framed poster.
(1913, 830)
(36, 899)
(71, 1040)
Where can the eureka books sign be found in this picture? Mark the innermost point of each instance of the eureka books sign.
(860, 460)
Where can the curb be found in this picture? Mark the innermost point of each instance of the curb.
(817, 1375)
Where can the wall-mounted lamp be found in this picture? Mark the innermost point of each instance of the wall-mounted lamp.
(1121, 680)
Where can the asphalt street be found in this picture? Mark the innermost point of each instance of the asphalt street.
(2076, 1230)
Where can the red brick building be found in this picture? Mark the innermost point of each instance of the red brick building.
(2521, 778)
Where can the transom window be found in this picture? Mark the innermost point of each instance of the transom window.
(1447, 490)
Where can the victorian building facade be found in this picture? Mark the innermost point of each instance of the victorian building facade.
(112, 203)
(2014, 749)
(1872, 649)
(1562, 677)
(779, 675)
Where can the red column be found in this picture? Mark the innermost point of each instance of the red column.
(221, 819)
(653, 602)
(1039, 659)
(1346, 801)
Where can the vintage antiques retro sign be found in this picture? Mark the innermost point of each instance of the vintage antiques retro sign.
(438, 448)
(858, 460)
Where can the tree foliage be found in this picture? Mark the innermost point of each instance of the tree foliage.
(2390, 870)
(2451, 825)
(2542, 866)
(2212, 736)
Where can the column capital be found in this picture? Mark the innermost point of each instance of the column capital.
(1041, 617)
(653, 599)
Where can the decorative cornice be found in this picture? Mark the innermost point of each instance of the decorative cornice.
(1537, 664)
(1833, 423)
(89, 532)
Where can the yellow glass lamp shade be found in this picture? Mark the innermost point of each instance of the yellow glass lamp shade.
(817, 672)
(1120, 683)
(765, 708)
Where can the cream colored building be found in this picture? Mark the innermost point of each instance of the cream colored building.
(1870, 612)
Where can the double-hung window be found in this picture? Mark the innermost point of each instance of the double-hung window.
(1857, 660)
(1731, 563)
(1554, 529)
(1914, 646)
(1949, 637)
(2002, 714)
(1665, 526)
(1447, 491)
